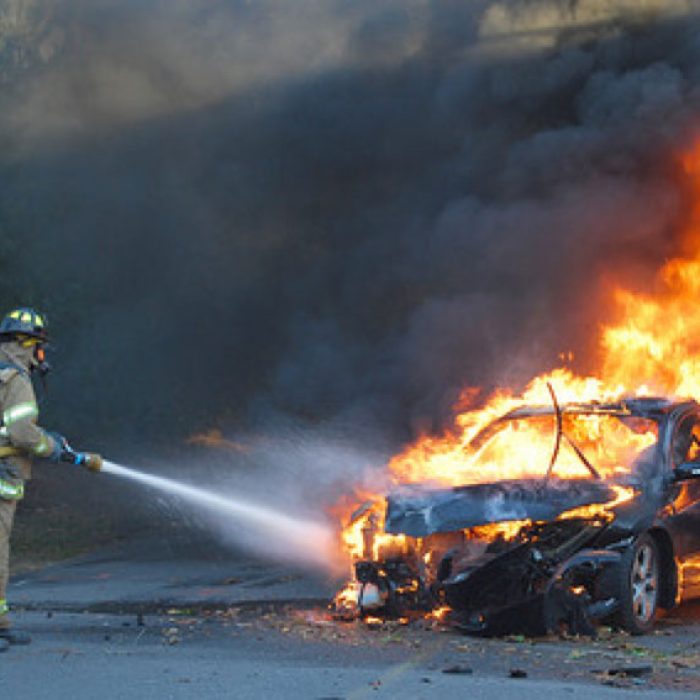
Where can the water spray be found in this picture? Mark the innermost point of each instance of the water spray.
(306, 540)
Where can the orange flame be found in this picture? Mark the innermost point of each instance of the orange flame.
(439, 613)
(652, 348)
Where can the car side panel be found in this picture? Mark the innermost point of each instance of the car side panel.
(682, 517)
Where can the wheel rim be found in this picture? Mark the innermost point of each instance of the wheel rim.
(644, 584)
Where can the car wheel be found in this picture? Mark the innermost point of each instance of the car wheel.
(639, 585)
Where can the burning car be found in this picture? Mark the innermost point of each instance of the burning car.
(608, 527)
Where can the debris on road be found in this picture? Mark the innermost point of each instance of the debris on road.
(630, 671)
(458, 669)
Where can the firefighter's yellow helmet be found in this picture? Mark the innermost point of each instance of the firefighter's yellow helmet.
(24, 322)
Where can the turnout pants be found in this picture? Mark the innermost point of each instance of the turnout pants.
(7, 516)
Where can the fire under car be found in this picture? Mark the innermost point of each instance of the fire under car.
(548, 552)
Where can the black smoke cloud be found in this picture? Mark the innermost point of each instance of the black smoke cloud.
(337, 212)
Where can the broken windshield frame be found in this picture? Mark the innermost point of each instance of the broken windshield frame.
(618, 410)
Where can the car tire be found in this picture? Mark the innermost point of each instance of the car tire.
(638, 585)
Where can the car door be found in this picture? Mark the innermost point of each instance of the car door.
(684, 517)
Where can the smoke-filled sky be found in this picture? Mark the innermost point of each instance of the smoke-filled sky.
(334, 211)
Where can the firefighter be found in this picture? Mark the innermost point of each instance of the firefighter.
(23, 337)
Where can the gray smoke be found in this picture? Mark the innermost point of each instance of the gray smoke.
(340, 213)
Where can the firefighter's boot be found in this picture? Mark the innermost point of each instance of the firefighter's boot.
(14, 638)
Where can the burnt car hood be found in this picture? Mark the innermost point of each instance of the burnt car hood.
(419, 512)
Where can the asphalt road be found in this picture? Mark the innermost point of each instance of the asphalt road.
(141, 621)
(93, 655)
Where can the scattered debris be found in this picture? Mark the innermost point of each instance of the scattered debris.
(458, 669)
(631, 671)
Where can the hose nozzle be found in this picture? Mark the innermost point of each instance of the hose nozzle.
(93, 461)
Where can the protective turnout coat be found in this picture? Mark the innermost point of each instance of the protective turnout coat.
(21, 438)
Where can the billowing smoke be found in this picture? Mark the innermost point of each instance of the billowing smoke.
(340, 213)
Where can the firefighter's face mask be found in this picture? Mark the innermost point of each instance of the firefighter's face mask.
(39, 362)
(42, 366)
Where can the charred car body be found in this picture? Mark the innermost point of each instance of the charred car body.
(571, 551)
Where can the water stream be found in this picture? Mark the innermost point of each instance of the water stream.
(311, 542)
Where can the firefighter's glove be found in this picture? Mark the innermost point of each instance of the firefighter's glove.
(61, 448)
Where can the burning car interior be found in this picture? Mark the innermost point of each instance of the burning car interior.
(605, 528)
